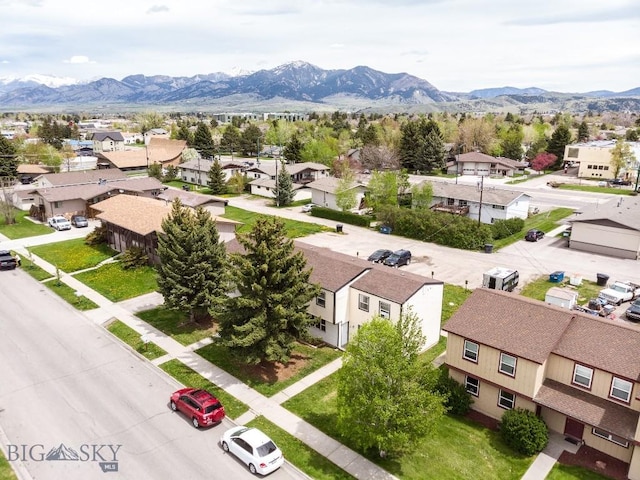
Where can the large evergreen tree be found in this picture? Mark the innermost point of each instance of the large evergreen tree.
(292, 151)
(410, 146)
(386, 398)
(203, 141)
(583, 132)
(217, 179)
(231, 139)
(192, 275)
(8, 159)
(560, 138)
(284, 188)
(250, 140)
(269, 313)
(511, 142)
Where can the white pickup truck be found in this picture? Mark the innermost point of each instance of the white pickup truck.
(618, 292)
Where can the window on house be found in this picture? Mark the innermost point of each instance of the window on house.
(572, 152)
(470, 351)
(463, 203)
(498, 207)
(606, 167)
(600, 167)
(57, 204)
(385, 310)
(472, 385)
(320, 300)
(363, 302)
(451, 201)
(506, 399)
(598, 432)
(621, 389)
(582, 376)
(507, 364)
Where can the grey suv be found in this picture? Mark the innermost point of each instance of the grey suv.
(398, 258)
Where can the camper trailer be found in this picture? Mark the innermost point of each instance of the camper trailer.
(500, 278)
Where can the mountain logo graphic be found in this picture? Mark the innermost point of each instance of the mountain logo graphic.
(62, 452)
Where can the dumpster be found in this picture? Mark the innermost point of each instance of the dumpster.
(339, 228)
(602, 279)
(556, 277)
(488, 247)
(385, 229)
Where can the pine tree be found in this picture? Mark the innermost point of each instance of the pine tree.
(8, 159)
(203, 141)
(292, 151)
(583, 132)
(270, 313)
(250, 140)
(511, 142)
(284, 190)
(192, 275)
(559, 139)
(410, 145)
(217, 179)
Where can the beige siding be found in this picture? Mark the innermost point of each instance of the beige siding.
(595, 162)
(358, 317)
(554, 420)
(326, 312)
(528, 374)
(634, 467)
(618, 242)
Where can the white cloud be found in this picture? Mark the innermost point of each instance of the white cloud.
(78, 59)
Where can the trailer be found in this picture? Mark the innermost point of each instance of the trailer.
(499, 278)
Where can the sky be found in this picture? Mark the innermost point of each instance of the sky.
(456, 45)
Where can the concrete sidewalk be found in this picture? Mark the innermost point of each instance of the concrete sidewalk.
(546, 459)
(270, 408)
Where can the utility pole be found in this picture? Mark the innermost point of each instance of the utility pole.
(481, 190)
(277, 192)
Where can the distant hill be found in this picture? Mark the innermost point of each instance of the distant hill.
(295, 86)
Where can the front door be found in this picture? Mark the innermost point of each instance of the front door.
(573, 429)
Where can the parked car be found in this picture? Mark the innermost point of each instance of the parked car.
(398, 258)
(253, 448)
(59, 223)
(379, 255)
(79, 221)
(308, 207)
(620, 181)
(633, 312)
(7, 261)
(200, 406)
(534, 235)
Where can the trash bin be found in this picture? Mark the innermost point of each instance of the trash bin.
(339, 228)
(488, 247)
(186, 188)
(602, 279)
(385, 229)
(556, 277)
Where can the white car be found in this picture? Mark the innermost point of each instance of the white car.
(253, 448)
(60, 223)
(307, 208)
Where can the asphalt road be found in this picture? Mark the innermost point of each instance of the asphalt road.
(66, 381)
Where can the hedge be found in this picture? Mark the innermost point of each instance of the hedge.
(344, 217)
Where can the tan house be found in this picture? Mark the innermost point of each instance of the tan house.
(159, 150)
(323, 193)
(578, 372)
(612, 228)
(107, 142)
(594, 159)
(215, 205)
(480, 164)
(353, 291)
(197, 171)
(136, 222)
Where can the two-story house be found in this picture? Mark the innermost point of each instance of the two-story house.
(107, 142)
(323, 193)
(481, 164)
(263, 177)
(578, 372)
(197, 170)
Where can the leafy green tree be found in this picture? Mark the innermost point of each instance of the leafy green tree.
(385, 394)
(382, 190)
(250, 140)
(320, 150)
(284, 189)
(203, 141)
(621, 157)
(524, 431)
(171, 173)
(345, 192)
(8, 159)
(184, 133)
(583, 132)
(238, 182)
(269, 313)
(155, 170)
(192, 274)
(292, 151)
(150, 120)
(631, 135)
(560, 138)
(421, 195)
(511, 142)
(217, 179)
(370, 136)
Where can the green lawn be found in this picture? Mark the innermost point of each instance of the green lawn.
(544, 221)
(571, 472)
(34, 270)
(596, 189)
(456, 449)
(264, 380)
(132, 338)
(6, 472)
(118, 284)
(190, 378)
(538, 288)
(294, 228)
(452, 298)
(23, 227)
(175, 324)
(73, 255)
(435, 351)
(80, 302)
(296, 452)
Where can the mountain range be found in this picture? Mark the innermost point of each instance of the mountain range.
(295, 86)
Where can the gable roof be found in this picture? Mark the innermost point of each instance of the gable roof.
(92, 190)
(190, 199)
(392, 284)
(204, 164)
(33, 169)
(83, 177)
(490, 195)
(159, 150)
(102, 136)
(622, 212)
(269, 168)
(478, 157)
(330, 184)
(268, 183)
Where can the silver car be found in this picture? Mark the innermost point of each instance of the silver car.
(253, 448)
(60, 223)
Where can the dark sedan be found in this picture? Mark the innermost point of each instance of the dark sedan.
(379, 255)
(534, 235)
(633, 312)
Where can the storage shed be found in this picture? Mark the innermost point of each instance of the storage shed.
(562, 297)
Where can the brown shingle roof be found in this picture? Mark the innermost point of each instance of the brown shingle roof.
(332, 270)
(392, 284)
(33, 169)
(331, 184)
(83, 177)
(191, 199)
(622, 212)
(588, 408)
(92, 190)
(490, 195)
(511, 323)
